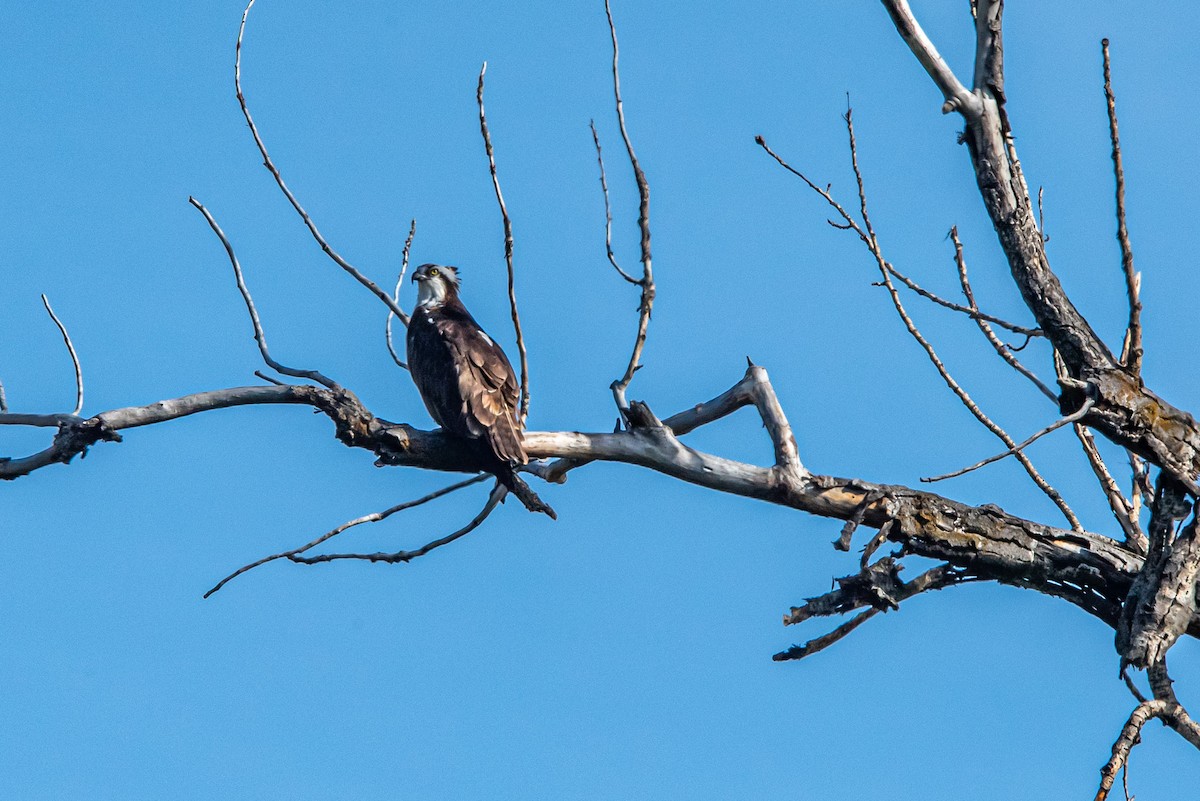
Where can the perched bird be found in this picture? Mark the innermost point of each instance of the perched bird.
(465, 380)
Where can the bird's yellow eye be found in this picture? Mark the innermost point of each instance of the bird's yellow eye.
(434, 271)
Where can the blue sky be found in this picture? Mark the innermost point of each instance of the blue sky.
(624, 651)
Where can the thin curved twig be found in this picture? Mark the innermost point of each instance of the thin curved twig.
(1132, 354)
(1057, 424)
(1122, 508)
(646, 282)
(270, 165)
(412, 230)
(62, 329)
(259, 336)
(508, 248)
(1003, 350)
(499, 491)
(612, 258)
(371, 518)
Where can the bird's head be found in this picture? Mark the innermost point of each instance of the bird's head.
(435, 284)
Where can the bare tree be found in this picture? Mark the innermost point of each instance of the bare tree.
(1139, 578)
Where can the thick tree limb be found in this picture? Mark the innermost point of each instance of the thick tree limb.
(1162, 599)
(956, 95)
(1089, 570)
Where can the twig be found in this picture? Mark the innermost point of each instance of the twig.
(270, 165)
(269, 379)
(842, 543)
(62, 329)
(259, 336)
(1133, 689)
(646, 305)
(1131, 356)
(1003, 350)
(1122, 508)
(818, 644)
(1041, 215)
(371, 518)
(497, 494)
(3, 400)
(973, 313)
(1057, 424)
(873, 244)
(412, 230)
(873, 545)
(508, 248)
(612, 258)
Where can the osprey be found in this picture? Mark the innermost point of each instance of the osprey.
(465, 380)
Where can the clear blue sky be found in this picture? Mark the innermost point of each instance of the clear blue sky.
(624, 651)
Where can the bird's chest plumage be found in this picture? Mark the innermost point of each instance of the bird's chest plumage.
(432, 362)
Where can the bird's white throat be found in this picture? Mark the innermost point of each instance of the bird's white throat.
(431, 293)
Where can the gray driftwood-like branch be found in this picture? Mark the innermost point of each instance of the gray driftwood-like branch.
(1141, 584)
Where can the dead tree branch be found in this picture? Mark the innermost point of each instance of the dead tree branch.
(1131, 353)
(358, 521)
(508, 248)
(494, 498)
(878, 588)
(259, 336)
(1001, 349)
(270, 165)
(646, 282)
(1057, 424)
(608, 249)
(62, 329)
(1122, 509)
(1162, 599)
(412, 230)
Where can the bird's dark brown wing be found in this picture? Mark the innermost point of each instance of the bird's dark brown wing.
(465, 379)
